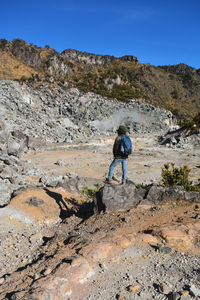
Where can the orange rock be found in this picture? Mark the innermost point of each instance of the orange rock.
(56, 288)
(123, 242)
(184, 293)
(38, 205)
(47, 271)
(80, 270)
(133, 288)
(41, 205)
(164, 289)
(120, 297)
(147, 238)
(177, 237)
(99, 251)
(176, 232)
(59, 288)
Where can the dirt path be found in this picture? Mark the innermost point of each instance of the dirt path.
(93, 159)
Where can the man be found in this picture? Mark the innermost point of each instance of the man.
(121, 149)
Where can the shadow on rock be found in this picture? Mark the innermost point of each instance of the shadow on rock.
(65, 212)
(83, 211)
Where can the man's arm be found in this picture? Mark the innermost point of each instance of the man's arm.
(116, 146)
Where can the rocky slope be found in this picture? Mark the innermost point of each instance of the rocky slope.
(173, 87)
(54, 114)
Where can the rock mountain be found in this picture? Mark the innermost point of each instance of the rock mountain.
(174, 87)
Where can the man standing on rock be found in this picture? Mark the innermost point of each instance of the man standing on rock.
(121, 149)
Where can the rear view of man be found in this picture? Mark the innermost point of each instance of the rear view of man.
(121, 149)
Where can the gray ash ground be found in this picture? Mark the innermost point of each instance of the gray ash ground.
(149, 270)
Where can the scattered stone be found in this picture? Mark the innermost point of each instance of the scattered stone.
(173, 296)
(2, 279)
(72, 175)
(195, 291)
(147, 165)
(120, 297)
(47, 271)
(162, 248)
(184, 293)
(6, 189)
(197, 216)
(164, 288)
(186, 297)
(51, 181)
(61, 163)
(133, 288)
(36, 276)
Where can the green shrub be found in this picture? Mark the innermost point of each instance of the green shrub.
(90, 192)
(142, 185)
(172, 176)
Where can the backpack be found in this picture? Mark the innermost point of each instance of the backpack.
(125, 145)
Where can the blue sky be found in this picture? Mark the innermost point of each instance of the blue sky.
(159, 32)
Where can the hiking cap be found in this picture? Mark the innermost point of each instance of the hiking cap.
(122, 129)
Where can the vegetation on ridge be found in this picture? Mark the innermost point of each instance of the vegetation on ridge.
(194, 124)
(12, 68)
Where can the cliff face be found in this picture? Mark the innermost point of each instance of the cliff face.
(175, 87)
(49, 61)
(89, 59)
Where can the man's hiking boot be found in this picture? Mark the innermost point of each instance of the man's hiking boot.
(115, 179)
(123, 183)
(107, 181)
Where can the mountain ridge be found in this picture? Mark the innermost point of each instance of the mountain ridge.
(173, 87)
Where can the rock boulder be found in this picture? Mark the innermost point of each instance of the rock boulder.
(114, 197)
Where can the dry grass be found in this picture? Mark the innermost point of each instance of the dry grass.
(12, 68)
(45, 54)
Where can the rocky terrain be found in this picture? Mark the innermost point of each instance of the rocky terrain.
(36, 118)
(49, 237)
(138, 241)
